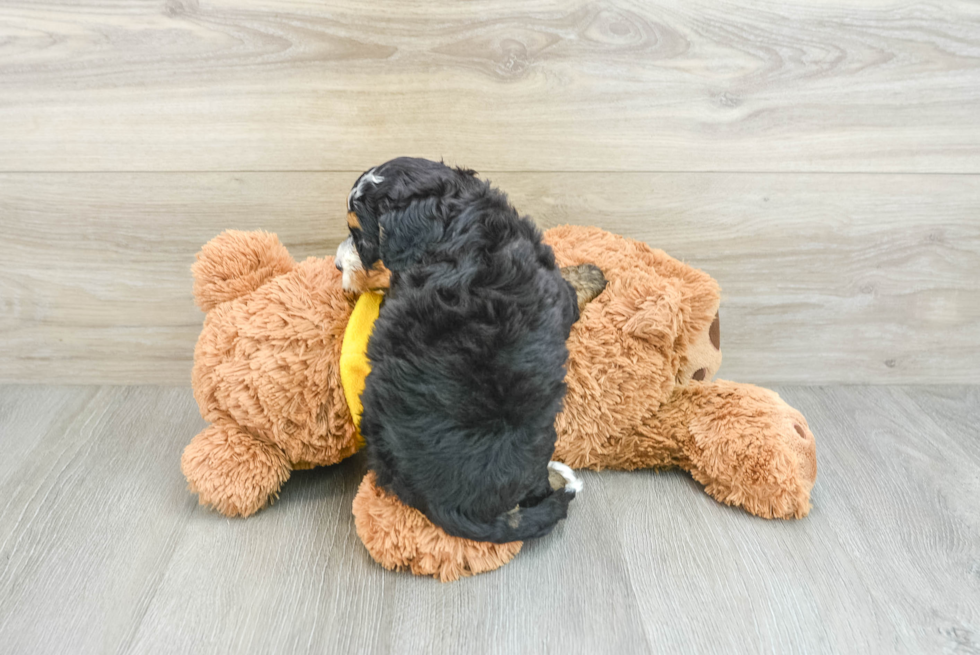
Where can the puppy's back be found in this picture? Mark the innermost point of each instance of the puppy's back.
(468, 365)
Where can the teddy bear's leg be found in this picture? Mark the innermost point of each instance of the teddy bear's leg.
(232, 471)
(401, 538)
(742, 442)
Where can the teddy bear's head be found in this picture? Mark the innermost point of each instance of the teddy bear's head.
(268, 355)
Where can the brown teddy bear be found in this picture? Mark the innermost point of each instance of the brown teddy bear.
(267, 376)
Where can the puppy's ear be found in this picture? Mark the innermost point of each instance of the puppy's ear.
(405, 234)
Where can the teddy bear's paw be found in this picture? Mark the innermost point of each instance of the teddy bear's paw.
(232, 471)
(401, 538)
(753, 450)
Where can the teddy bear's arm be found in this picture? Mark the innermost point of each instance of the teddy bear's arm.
(233, 471)
(742, 442)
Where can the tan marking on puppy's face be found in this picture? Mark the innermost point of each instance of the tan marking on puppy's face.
(353, 222)
(377, 278)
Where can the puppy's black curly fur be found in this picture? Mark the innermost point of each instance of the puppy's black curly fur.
(468, 354)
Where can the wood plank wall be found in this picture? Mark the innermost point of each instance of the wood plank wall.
(820, 159)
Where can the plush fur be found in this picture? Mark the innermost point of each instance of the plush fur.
(468, 353)
(411, 542)
(267, 378)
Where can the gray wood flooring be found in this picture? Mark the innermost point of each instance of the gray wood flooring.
(102, 550)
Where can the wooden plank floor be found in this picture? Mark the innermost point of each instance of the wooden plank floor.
(102, 550)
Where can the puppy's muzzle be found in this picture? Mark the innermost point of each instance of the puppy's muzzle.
(348, 262)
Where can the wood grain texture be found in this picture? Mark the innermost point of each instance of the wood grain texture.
(956, 410)
(825, 278)
(102, 549)
(887, 560)
(90, 518)
(551, 85)
(901, 493)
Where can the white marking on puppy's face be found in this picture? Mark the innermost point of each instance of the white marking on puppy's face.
(572, 481)
(355, 193)
(349, 262)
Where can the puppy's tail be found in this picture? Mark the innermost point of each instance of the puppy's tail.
(520, 523)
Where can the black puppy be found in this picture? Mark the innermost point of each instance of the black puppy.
(468, 354)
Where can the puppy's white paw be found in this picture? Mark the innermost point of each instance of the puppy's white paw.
(572, 481)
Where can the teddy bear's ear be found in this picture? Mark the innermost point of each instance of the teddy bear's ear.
(655, 319)
(235, 263)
